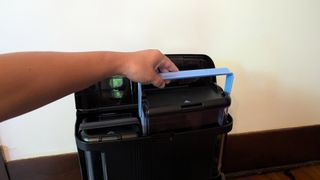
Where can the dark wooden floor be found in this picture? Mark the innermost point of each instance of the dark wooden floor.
(302, 173)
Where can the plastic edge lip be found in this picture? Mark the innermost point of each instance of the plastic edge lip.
(140, 109)
(202, 73)
(183, 75)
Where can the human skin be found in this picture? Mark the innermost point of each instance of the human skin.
(29, 80)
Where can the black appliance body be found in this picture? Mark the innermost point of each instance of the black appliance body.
(188, 124)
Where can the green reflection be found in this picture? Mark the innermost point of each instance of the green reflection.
(117, 94)
(116, 82)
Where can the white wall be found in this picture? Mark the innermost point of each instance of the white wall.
(272, 46)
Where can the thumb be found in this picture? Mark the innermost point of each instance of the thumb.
(157, 81)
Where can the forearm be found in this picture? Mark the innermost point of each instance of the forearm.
(31, 79)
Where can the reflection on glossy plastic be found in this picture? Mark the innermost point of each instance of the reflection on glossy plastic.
(116, 82)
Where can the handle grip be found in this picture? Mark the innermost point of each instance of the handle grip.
(184, 75)
(202, 73)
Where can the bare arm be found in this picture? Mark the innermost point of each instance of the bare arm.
(29, 80)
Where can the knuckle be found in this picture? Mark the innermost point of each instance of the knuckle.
(157, 53)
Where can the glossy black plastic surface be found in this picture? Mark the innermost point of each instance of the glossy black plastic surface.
(187, 139)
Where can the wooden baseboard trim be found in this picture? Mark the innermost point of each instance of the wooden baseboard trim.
(248, 152)
(272, 148)
(3, 167)
(233, 175)
(59, 167)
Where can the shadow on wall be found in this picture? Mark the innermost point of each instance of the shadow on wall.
(262, 101)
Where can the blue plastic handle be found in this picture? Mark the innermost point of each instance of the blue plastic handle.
(202, 73)
(184, 75)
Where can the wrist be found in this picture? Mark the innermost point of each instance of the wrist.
(116, 62)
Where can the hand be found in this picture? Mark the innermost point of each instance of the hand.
(143, 66)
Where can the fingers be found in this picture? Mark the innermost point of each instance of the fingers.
(165, 70)
(166, 65)
(158, 82)
(145, 65)
(169, 65)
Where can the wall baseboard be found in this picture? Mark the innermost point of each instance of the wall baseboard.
(3, 167)
(270, 169)
(272, 148)
(59, 167)
(244, 153)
